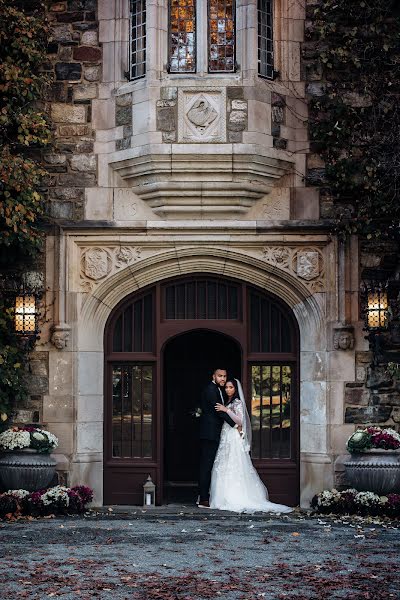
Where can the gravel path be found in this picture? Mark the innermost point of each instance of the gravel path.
(174, 556)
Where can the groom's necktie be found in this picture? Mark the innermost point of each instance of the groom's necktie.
(222, 398)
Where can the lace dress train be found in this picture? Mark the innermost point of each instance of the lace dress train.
(235, 484)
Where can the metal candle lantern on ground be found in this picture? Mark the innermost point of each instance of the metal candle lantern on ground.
(149, 493)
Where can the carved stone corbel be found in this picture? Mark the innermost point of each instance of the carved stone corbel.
(343, 337)
(60, 336)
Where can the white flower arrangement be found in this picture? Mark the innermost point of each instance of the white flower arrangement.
(13, 439)
(327, 498)
(21, 494)
(57, 494)
(367, 498)
(18, 438)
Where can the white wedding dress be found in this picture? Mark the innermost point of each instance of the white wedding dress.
(235, 484)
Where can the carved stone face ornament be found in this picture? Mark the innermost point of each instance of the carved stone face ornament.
(343, 339)
(60, 336)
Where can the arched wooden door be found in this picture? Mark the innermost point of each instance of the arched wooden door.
(144, 389)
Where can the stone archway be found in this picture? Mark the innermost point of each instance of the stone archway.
(308, 308)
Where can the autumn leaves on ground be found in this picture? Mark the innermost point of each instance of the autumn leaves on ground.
(189, 557)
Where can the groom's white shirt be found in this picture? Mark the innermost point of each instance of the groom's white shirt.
(220, 393)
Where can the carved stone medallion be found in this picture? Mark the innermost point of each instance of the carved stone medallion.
(202, 115)
(96, 263)
(307, 265)
(99, 263)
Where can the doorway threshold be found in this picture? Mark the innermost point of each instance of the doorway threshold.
(179, 511)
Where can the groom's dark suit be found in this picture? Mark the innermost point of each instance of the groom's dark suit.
(211, 423)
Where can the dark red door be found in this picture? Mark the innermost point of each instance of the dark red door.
(161, 345)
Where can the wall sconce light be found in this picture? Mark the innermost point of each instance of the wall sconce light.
(25, 314)
(149, 493)
(375, 307)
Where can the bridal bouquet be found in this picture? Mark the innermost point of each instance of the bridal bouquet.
(197, 413)
(37, 439)
(373, 437)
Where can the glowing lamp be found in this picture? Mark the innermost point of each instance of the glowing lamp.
(25, 314)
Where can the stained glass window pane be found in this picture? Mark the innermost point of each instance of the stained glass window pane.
(221, 36)
(138, 39)
(265, 39)
(182, 27)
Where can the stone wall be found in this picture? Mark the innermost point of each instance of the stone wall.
(75, 69)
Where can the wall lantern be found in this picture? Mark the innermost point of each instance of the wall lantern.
(377, 307)
(149, 493)
(25, 314)
(374, 298)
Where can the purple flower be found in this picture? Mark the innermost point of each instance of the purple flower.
(85, 493)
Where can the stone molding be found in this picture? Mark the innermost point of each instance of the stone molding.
(97, 263)
(160, 264)
(306, 263)
(215, 182)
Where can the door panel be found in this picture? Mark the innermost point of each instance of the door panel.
(273, 413)
(129, 429)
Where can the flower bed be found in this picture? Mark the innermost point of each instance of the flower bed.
(55, 500)
(18, 438)
(373, 437)
(353, 502)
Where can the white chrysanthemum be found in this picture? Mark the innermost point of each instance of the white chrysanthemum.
(393, 433)
(53, 441)
(38, 436)
(18, 493)
(367, 498)
(57, 494)
(327, 498)
(11, 440)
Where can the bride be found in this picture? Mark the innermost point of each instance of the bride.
(235, 484)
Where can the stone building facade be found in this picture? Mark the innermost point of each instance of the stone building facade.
(183, 176)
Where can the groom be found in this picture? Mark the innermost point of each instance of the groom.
(211, 423)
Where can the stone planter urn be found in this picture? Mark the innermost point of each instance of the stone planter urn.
(374, 470)
(26, 469)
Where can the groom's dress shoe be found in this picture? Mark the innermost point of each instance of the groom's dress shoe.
(204, 504)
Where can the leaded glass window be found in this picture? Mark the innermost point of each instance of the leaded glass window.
(221, 36)
(265, 39)
(138, 39)
(271, 419)
(182, 24)
(132, 411)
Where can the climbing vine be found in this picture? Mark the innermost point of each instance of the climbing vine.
(23, 126)
(355, 112)
(24, 130)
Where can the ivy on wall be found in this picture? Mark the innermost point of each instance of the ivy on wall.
(23, 126)
(24, 130)
(354, 111)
